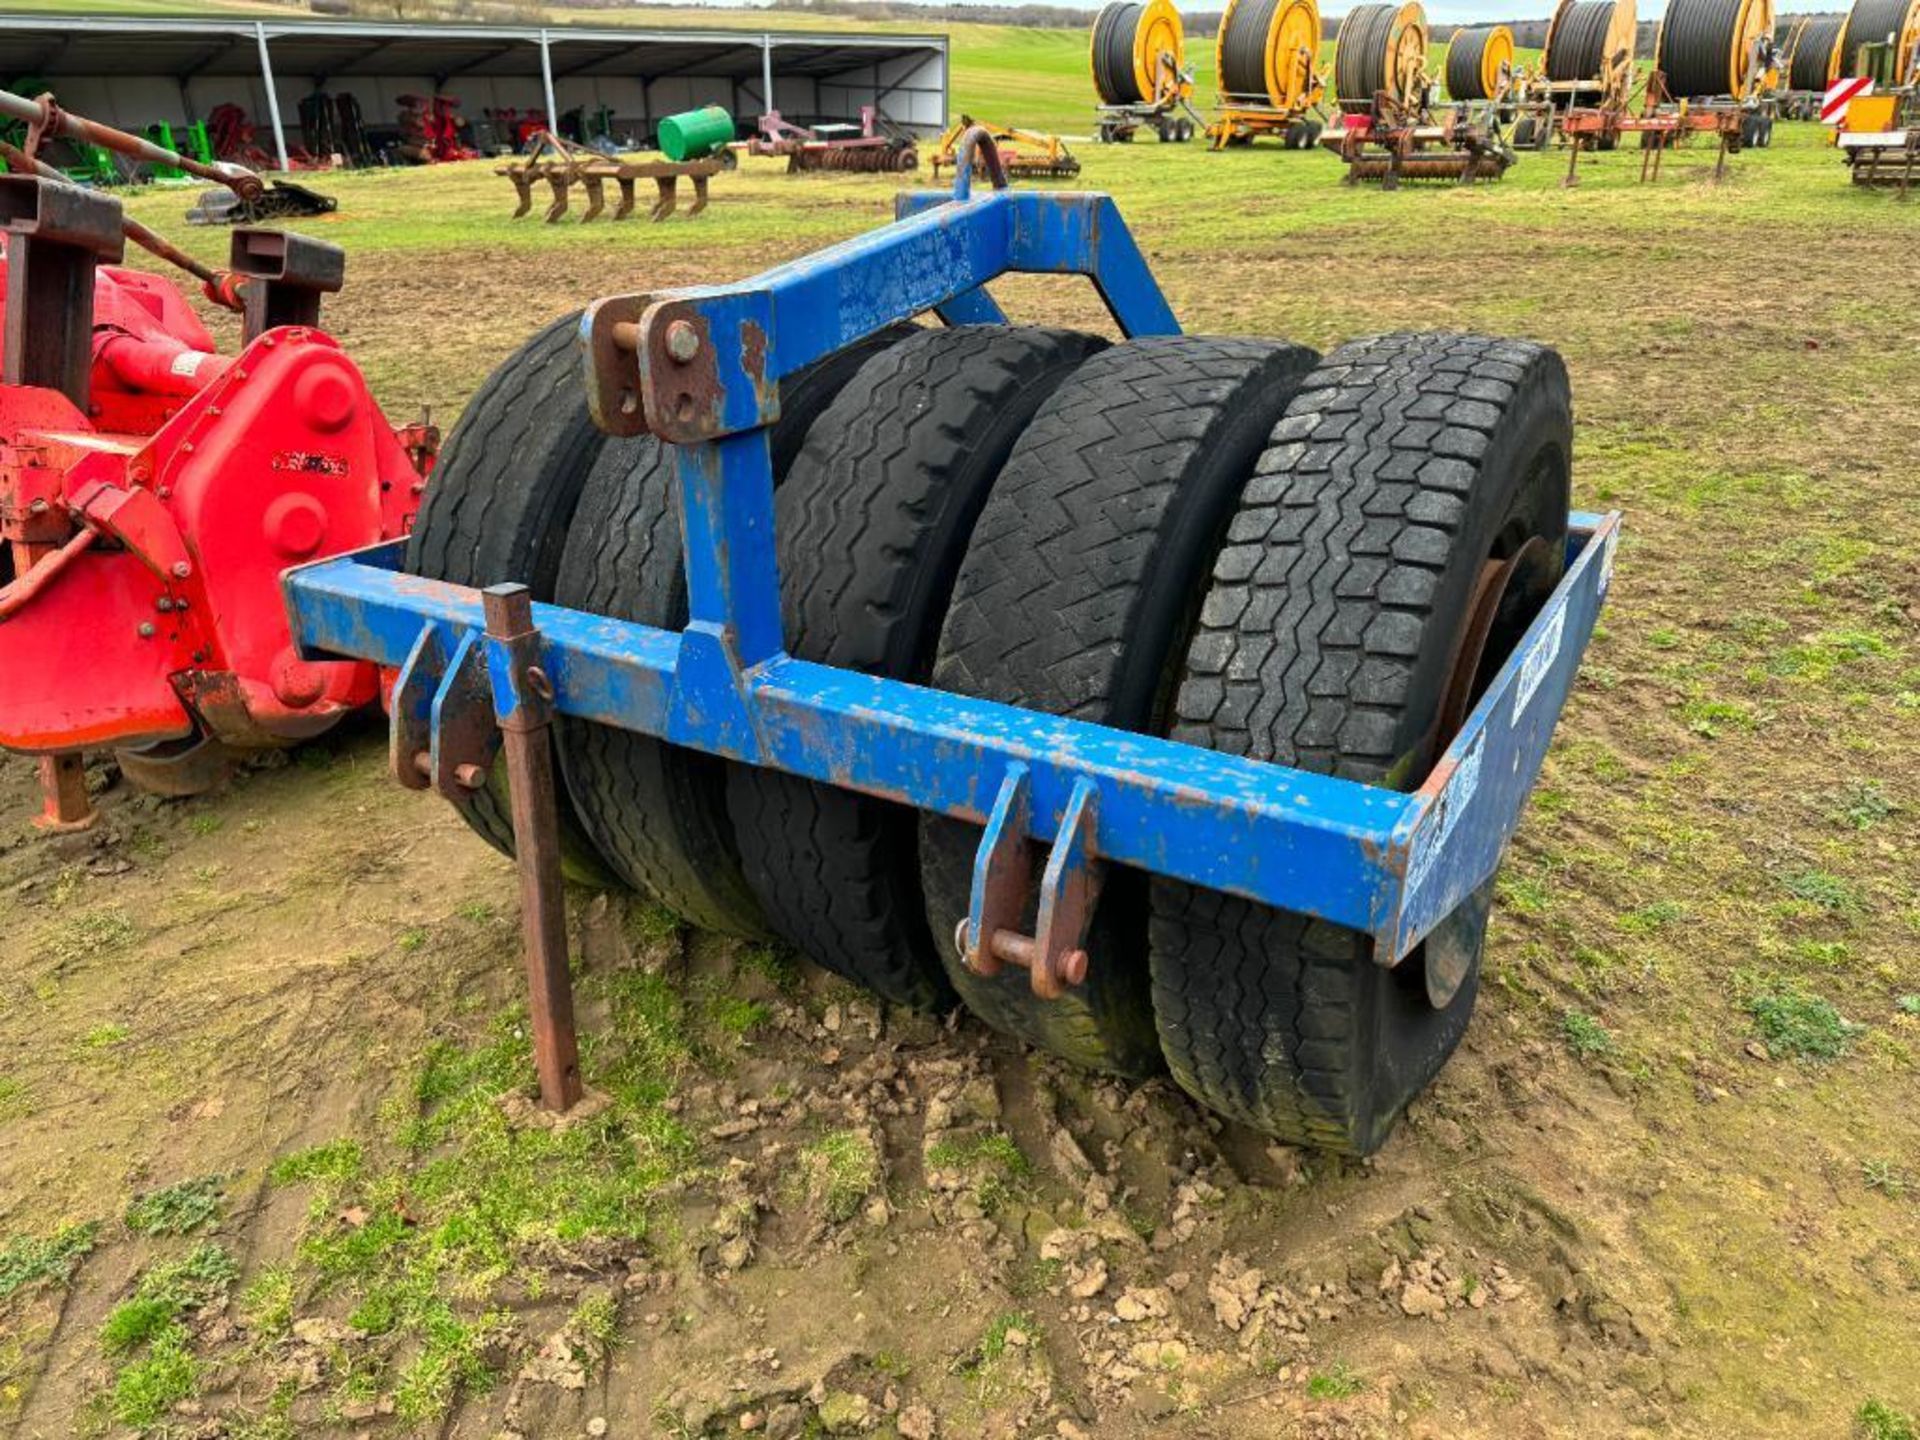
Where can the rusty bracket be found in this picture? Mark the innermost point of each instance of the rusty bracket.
(443, 736)
(283, 276)
(1055, 955)
(57, 236)
(653, 365)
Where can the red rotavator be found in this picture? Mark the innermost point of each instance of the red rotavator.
(152, 491)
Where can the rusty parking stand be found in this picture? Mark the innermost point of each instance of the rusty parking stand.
(536, 841)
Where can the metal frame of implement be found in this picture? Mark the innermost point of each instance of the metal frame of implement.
(701, 368)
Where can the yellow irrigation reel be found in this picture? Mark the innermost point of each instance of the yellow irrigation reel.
(1266, 59)
(1480, 63)
(1380, 58)
(1586, 62)
(1715, 49)
(1138, 57)
(1873, 25)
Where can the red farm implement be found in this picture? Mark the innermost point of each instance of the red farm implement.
(152, 490)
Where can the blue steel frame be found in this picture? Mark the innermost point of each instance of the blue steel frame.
(1390, 863)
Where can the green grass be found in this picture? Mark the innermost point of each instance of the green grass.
(1795, 1023)
(1877, 1420)
(148, 1335)
(1585, 1036)
(411, 1233)
(177, 1210)
(31, 1260)
(1339, 1383)
(838, 1171)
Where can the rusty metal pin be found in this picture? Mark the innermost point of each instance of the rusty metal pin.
(471, 777)
(683, 341)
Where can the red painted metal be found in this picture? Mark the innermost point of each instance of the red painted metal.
(154, 526)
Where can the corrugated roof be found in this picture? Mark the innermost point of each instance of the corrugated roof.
(56, 45)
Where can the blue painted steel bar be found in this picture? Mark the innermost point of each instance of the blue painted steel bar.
(1472, 803)
(1304, 842)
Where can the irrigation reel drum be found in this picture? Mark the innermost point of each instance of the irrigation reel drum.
(1140, 74)
(1266, 59)
(1112, 794)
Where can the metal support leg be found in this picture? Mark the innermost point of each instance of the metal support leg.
(57, 236)
(63, 793)
(528, 747)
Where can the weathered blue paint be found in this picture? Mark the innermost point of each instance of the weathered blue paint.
(1377, 860)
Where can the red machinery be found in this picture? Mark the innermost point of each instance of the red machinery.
(151, 492)
(430, 130)
(877, 145)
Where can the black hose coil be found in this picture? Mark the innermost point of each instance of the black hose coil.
(1360, 54)
(1243, 47)
(1465, 54)
(1696, 47)
(1113, 74)
(1579, 42)
(1872, 22)
(1813, 53)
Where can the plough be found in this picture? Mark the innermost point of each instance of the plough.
(151, 490)
(826, 651)
(1026, 154)
(561, 165)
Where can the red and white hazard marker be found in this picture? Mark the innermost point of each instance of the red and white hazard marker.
(1840, 94)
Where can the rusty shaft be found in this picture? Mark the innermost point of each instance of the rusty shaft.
(47, 117)
(146, 239)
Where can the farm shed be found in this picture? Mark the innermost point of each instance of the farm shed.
(134, 71)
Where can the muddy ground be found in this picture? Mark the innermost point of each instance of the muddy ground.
(269, 1164)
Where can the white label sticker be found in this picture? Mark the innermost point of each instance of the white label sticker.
(187, 363)
(1431, 838)
(1539, 661)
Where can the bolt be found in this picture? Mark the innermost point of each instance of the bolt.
(165, 492)
(38, 507)
(471, 777)
(146, 630)
(683, 341)
(163, 604)
(181, 569)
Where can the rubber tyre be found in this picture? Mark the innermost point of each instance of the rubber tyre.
(871, 525)
(1076, 598)
(657, 812)
(498, 508)
(1324, 643)
(1523, 132)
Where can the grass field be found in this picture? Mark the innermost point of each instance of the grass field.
(267, 1166)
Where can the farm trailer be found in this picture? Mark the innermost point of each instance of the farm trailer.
(1169, 702)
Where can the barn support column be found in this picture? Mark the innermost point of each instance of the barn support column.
(273, 97)
(766, 74)
(546, 80)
